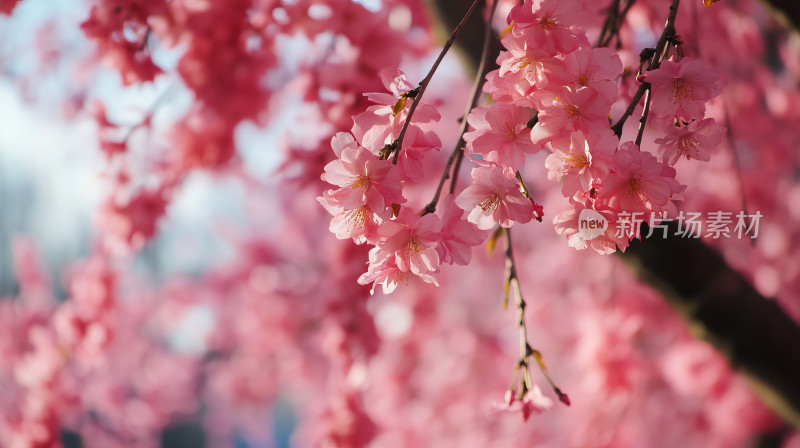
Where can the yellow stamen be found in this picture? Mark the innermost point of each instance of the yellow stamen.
(576, 161)
(681, 90)
(571, 110)
(510, 130)
(361, 181)
(547, 21)
(413, 245)
(524, 62)
(356, 217)
(490, 203)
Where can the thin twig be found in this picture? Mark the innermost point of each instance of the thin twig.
(666, 35)
(612, 29)
(512, 281)
(608, 24)
(525, 350)
(643, 119)
(458, 154)
(617, 128)
(456, 170)
(398, 143)
(621, 19)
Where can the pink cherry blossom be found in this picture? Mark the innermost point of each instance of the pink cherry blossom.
(6, 6)
(524, 64)
(364, 180)
(638, 182)
(594, 68)
(533, 402)
(383, 270)
(133, 219)
(495, 198)
(549, 24)
(507, 89)
(692, 141)
(567, 111)
(394, 81)
(413, 241)
(578, 164)
(416, 145)
(289, 326)
(459, 236)
(681, 89)
(358, 222)
(380, 125)
(501, 134)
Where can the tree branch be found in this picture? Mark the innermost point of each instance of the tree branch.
(787, 11)
(720, 306)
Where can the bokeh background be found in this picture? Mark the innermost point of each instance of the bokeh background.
(221, 310)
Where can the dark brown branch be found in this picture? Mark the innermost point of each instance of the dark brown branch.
(787, 11)
(398, 144)
(525, 349)
(457, 153)
(445, 15)
(721, 307)
(617, 128)
(645, 112)
(655, 62)
(613, 22)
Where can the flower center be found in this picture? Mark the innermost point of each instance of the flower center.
(510, 130)
(361, 181)
(571, 110)
(634, 188)
(414, 245)
(547, 21)
(681, 91)
(528, 67)
(687, 143)
(576, 161)
(490, 203)
(356, 217)
(583, 79)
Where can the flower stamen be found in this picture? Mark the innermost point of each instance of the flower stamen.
(490, 203)
(681, 91)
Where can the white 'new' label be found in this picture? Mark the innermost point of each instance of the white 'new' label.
(591, 224)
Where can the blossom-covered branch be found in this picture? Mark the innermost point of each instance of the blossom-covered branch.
(457, 154)
(423, 85)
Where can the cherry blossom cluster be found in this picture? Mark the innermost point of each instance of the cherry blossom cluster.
(414, 368)
(369, 206)
(59, 360)
(46, 339)
(554, 91)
